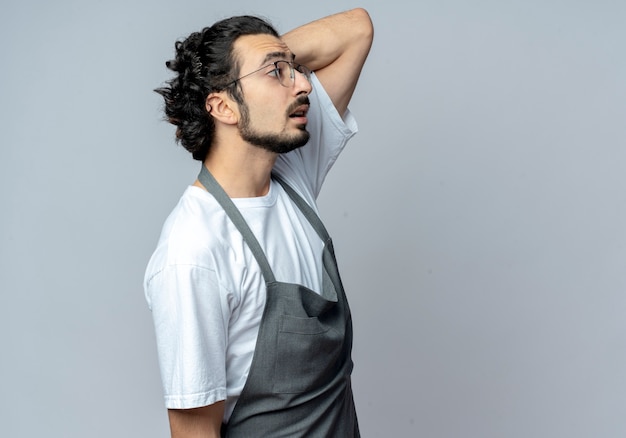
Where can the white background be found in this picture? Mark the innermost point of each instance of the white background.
(479, 215)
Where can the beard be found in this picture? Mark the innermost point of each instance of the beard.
(279, 143)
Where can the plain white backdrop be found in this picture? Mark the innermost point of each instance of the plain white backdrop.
(479, 216)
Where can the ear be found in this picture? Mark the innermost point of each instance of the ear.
(222, 108)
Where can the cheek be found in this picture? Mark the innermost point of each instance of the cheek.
(267, 115)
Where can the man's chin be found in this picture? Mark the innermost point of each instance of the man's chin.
(280, 144)
(292, 146)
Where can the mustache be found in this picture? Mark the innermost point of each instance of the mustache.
(301, 100)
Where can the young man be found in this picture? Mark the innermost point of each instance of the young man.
(253, 329)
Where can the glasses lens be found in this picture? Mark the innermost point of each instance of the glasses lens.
(304, 70)
(285, 73)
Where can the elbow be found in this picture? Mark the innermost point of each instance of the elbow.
(362, 33)
(363, 25)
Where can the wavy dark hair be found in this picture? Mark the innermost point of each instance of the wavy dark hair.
(205, 63)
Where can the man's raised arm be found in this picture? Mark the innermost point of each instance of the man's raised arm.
(335, 47)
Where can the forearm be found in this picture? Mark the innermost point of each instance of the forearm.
(321, 42)
(335, 47)
(202, 422)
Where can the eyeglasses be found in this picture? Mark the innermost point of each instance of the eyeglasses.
(284, 71)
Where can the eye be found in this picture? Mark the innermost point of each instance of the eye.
(275, 72)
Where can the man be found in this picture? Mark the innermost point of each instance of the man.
(253, 329)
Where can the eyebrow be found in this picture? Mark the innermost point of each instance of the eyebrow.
(277, 55)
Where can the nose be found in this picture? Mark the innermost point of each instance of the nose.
(302, 85)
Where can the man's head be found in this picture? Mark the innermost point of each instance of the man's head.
(206, 63)
(274, 90)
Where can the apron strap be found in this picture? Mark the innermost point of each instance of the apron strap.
(305, 208)
(213, 187)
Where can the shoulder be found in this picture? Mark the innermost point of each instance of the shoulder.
(197, 255)
(192, 234)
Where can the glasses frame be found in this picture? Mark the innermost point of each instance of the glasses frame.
(293, 67)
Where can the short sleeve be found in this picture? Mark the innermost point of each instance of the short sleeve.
(190, 314)
(308, 166)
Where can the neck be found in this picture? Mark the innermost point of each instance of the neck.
(243, 171)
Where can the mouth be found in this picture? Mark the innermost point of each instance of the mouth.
(300, 112)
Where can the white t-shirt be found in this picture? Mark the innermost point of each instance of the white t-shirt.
(205, 288)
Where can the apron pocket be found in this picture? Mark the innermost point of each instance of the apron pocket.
(307, 353)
